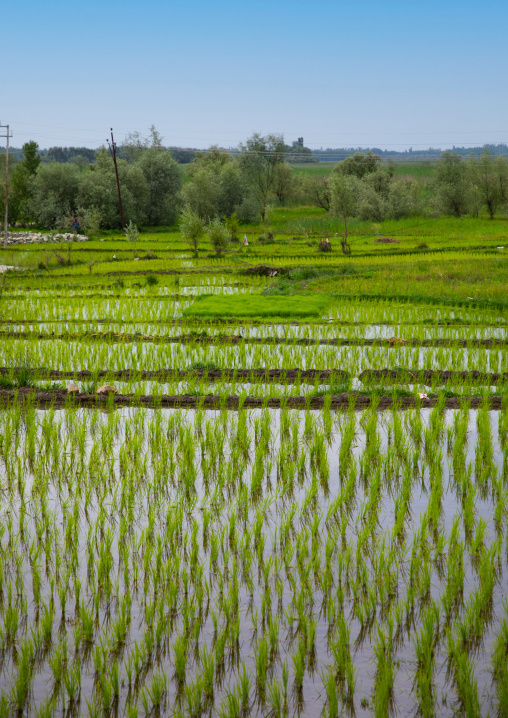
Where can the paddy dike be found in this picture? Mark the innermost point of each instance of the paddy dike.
(60, 398)
(204, 339)
(267, 375)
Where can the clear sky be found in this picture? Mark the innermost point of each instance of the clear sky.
(385, 73)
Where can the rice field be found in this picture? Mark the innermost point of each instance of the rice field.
(173, 551)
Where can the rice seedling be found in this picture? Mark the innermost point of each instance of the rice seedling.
(218, 547)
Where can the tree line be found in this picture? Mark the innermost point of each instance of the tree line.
(218, 185)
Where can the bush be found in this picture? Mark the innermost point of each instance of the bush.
(218, 234)
(325, 246)
(202, 366)
(151, 281)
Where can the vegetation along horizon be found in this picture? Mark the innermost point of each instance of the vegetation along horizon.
(254, 451)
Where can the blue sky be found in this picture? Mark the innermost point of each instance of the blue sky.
(386, 74)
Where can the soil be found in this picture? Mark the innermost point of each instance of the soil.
(325, 375)
(264, 270)
(236, 338)
(211, 374)
(60, 398)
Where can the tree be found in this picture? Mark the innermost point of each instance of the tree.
(487, 180)
(31, 159)
(258, 161)
(164, 183)
(403, 198)
(502, 170)
(453, 184)
(192, 228)
(53, 192)
(215, 158)
(284, 182)
(19, 194)
(203, 193)
(359, 164)
(97, 188)
(371, 204)
(135, 144)
(318, 191)
(344, 197)
(218, 234)
(232, 189)
(233, 226)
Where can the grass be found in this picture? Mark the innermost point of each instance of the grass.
(256, 306)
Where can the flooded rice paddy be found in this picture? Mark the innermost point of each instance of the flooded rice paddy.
(254, 562)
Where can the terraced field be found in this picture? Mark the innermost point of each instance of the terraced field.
(279, 511)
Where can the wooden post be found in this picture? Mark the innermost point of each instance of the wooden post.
(6, 214)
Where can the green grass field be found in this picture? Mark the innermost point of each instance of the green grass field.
(259, 307)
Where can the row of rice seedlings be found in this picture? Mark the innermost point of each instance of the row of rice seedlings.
(311, 332)
(194, 559)
(314, 334)
(46, 304)
(85, 355)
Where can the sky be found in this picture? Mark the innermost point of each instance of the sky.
(391, 74)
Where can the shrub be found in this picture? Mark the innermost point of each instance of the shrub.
(218, 234)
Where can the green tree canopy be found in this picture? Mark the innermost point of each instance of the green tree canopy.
(258, 162)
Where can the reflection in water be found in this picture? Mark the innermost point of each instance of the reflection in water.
(265, 553)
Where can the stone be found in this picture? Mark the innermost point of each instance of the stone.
(73, 389)
(106, 389)
(396, 340)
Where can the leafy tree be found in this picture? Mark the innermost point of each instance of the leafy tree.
(192, 228)
(402, 199)
(453, 184)
(359, 165)
(131, 232)
(318, 191)
(232, 188)
(379, 181)
(31, 159)
(19, 193)
(218, 234)
(97, 188)
(203, 193)
(135, 144)
(233, 225)
(90, 221)
(53, 192)
(258, 161)
(345, 193)
(502, 170)
(284, 182)
(215, 158)
(487, 180)
(372, 205)
(164, 183)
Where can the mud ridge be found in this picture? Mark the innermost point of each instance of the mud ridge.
(200, 338)
(268, 375)
(60, 399)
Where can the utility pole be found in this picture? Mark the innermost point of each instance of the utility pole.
(6, 215)
(112, 149)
